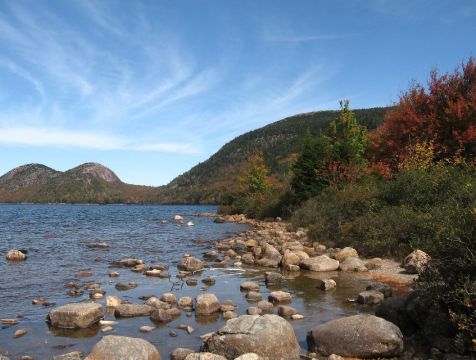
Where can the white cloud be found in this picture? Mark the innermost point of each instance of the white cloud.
(55, 137)
(43, 136)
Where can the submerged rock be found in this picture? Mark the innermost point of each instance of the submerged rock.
(122, 347)
(361, 336)
(77, 315)
(268, 336)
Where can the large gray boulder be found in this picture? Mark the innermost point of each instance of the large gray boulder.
(123, 348)
(77, 315)
(319, 263)
(268, 336)
(361, 336)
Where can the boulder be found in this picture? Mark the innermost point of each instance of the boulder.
(249, 356)
(352, 264)
(342, 255)
(227, 315)
(15, 255)
(190, 263)
(180, 353)
(270, 258)
(320, 263)
(205, 356)
(374, 264)
(393, 309)
(132, 310)
(280, 297)
(265, 306)
(273, 278)
(209, 280)
(254, 296)
(206, 304)
(416, 262)
(122, 347)
(77, 315)
(249, 286)
(75, 355)
(161, 315)
(157, 303)
(268, 336)
(370, 297)
(153, 272)
(169, 298)
(185, 302)
(253, 310)
(290, 258)
(248, 259)
(113, 301)
(361, 336)
(286, 311)
(327, 284)
(385, 289)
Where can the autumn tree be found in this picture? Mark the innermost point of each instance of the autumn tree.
(443, 114)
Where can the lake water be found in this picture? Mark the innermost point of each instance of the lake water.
(56, 237)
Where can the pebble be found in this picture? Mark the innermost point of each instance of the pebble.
(107, 322)
(146, 329)
(192, 282)
(113, 274)
(20, 333)
(107, 329)
(9, 321)
(173, 334)
(297, 317)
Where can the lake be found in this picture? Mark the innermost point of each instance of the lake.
(56, 237)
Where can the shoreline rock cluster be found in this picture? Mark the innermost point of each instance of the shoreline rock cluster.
(247, 336)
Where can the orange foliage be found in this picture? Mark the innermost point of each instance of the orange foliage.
(443, 114)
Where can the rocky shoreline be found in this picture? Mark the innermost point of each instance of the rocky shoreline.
(265, 331)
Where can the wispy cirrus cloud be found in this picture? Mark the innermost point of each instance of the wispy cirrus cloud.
(93, 140)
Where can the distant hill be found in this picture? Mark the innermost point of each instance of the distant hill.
(86, 183)
(280, 142)
(207, 182)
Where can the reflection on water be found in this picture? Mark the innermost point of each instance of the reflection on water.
(56, 238)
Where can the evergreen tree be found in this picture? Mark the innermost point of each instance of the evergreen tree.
(348, 138)
(305, 182)
(332, 159)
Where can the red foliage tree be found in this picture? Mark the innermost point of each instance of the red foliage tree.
(443, 114)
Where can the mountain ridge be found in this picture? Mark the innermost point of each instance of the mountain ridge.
(208, 182)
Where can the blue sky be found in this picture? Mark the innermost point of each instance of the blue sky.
(151, 88)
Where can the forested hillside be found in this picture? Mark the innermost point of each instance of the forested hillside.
(279, 142)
